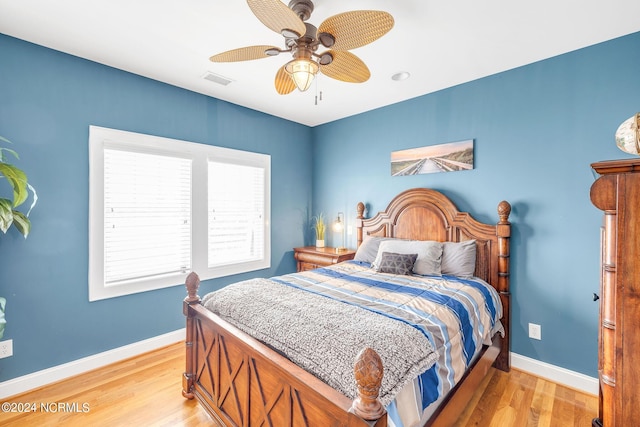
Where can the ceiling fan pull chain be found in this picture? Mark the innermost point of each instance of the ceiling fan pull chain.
(316, 85)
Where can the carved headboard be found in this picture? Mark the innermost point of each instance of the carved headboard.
(425, 214)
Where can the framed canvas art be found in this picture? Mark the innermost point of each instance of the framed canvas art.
(449, 157)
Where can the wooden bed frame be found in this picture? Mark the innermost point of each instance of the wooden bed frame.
(242, 382)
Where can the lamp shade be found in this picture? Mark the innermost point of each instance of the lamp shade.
(628, 135)
(338, 225)
(302, 71)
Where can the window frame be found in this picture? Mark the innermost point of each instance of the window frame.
(200, 155)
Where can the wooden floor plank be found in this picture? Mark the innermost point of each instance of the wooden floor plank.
(526, 386)
(146, 391)
(469, 412)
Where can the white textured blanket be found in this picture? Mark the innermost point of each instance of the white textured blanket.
(323, 335)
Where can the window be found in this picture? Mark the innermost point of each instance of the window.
(160, 208)
(236, 232)
(147, 215)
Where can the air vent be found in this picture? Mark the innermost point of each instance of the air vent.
(217, 78)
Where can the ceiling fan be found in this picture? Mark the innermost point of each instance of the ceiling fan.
(338, 33)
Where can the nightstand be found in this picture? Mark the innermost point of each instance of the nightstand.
(310, 257)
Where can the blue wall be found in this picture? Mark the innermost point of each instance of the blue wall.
(47, 102)
(536, 130)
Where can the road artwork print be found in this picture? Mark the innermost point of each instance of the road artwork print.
(450, 157)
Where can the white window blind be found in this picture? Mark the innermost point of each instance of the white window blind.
(236, 213)
(160, 208)
(147, 217)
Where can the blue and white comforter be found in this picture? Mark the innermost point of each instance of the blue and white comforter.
(456, 315)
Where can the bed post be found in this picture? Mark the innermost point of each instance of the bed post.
(191, 283)
(503, 231)
(359, 217)
(368, 371)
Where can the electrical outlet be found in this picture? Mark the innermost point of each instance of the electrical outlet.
(535, 331)
(6, 348)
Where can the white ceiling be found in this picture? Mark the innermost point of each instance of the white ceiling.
(441, 43)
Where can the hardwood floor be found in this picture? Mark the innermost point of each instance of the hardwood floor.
(142, 391)
(146, 391)
(519, 399)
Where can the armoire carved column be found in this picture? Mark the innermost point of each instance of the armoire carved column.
(617, 193)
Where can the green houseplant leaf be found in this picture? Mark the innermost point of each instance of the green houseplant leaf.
(3, 156)
(9, 215)
(6, 214)
(22, 223)
(17, 181)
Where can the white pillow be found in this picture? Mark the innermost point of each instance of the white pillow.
(368, 250)
(459, 259)
(429, 254)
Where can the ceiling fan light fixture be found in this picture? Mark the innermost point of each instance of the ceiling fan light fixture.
(302, 71)
(340, 33)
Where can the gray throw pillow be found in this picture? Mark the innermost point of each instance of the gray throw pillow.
(397, 263)
(429, 254)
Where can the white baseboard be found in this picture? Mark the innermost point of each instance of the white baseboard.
(32, 381)
(60, 372)
(556, 374)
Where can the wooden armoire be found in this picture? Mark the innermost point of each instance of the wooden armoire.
(617, 193)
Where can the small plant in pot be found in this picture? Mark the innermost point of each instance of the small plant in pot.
(17, 192)
(320, 227)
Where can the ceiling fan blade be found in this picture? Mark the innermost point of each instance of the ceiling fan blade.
(284, 83)
(346, 67)
(242, 54)
(277, 16)
(356, 28)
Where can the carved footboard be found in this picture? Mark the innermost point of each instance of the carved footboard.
(241, 382)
